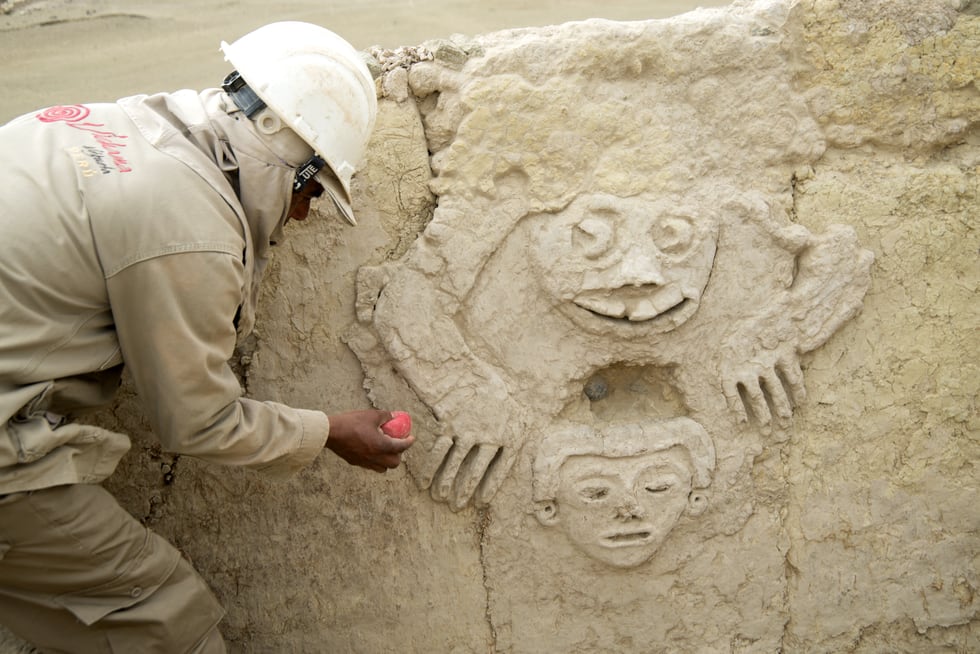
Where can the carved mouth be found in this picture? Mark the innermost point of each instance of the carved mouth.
(621, 306)
(627, 538)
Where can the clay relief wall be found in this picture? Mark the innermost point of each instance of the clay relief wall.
(644, 237)
(604, 321)
(685, 312)
(607, 326)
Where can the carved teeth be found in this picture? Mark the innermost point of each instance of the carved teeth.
(644, 310)
(668, 298)
(605, 307)
(635, 309)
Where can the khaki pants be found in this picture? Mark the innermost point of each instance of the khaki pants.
(78, 574)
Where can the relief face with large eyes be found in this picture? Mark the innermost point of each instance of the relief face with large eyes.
(625, 264)
(620, 510)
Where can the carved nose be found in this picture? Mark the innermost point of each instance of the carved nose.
(629, 509)
(640, 267)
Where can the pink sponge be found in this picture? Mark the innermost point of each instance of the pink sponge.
(399, 426)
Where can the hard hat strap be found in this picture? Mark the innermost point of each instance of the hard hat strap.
(242, 94)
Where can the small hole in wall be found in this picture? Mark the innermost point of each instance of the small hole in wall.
(597, 388)
(622, 390)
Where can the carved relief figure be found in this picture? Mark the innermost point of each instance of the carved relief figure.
(604, 280)
(601, 207)
(617, 493)
(625, 266)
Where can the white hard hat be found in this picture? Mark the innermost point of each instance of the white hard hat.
(320, 87)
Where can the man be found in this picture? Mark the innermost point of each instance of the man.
(135, 234)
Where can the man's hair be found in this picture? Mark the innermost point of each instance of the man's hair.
(618, 441)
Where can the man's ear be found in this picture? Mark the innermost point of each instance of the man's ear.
(697, 502)
(546, 512)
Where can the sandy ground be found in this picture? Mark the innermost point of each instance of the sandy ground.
(69, 51)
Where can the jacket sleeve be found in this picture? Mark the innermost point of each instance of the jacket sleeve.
(174, 316)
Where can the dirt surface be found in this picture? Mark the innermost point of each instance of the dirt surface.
(68, 51)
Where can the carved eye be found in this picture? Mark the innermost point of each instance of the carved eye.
(657, 488)
(592, 236)
(673, 234)
(594, 493)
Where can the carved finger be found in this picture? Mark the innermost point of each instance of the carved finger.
(757, 401)
(773, 387)
(431, 461)
(442, 485)
(470, 475)
(730, 389)
(790, 371)
(495, 475)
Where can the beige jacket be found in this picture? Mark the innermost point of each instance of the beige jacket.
(136, 233)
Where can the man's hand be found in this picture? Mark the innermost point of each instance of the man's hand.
(356, 437)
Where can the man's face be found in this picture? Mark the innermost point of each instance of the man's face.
(299, 205)
(625, 266)
(620, 510)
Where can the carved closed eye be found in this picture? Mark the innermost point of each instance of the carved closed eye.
(656, 489)
(592, 236)
(594, 493)
(673, 234)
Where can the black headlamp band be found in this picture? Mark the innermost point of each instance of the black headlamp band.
(307, 171)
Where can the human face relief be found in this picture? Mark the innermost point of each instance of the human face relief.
(620, 510)
(625, 266)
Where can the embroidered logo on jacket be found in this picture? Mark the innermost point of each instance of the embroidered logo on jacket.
(72, 116)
